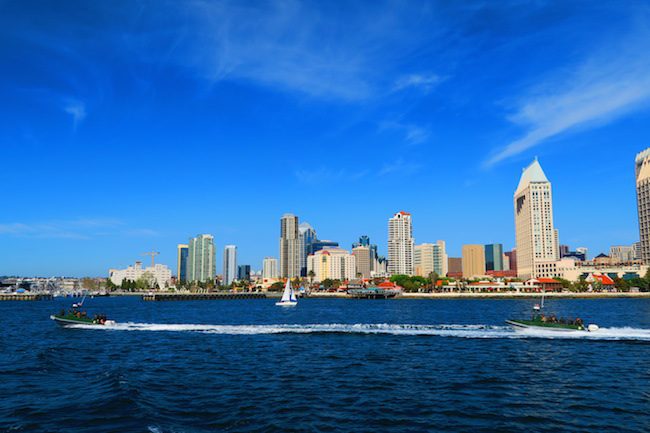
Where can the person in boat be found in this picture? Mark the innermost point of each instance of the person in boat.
(578, 321)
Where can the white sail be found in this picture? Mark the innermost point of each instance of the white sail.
(288, 292)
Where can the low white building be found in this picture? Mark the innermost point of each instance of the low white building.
(160, 274)
(571, 269)
(332, 263)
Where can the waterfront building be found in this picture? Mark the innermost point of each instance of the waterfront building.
(536, 238)
(363, 261)
(229, 264)
(244, 272)
(642, 172)
(289, 246)
(473, 261)
(429, 258)
(333, 263)
(622, 253)
(494, 257)
(158, 274)
(573, 270)
(201, 259)
(181, 262)
(307, 236)
(400, 244)
(270, 268)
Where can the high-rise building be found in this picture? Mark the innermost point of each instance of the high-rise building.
(362, 255)
(622, 253)
(430, 258)
(534, 231)
(270, 268)
(564, 250)
(636, 250)
(400, 244)
(289, 246)
(229, 264)
(244, 272)
(584, 251)
(307, 236)
(332, 263)
(318, 245)
(364, 241)
(454, 267)
(512, 259)
(494, 257)
(642, 171)
(201, 263)
(181, 262)
(473, 260)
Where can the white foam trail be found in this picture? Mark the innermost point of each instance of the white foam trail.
(459, 331)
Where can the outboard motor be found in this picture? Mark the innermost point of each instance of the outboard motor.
(592, 327)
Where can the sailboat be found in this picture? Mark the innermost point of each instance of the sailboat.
(288, 296)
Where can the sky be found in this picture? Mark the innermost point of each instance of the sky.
(130, 126)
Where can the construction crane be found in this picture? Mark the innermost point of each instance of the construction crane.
(152, 254)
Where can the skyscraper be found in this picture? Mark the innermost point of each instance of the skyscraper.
(244, 272)
(494, 257)
(270, 268)
(289, 246)
(642, 171)
(201, 264)
(473, 260)
(307, 236)
(181, 262)
(229, 264)
(362, 254)
(429, 258)
(400, 244)
(534, 231)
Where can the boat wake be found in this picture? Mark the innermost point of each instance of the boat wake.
(458, 331)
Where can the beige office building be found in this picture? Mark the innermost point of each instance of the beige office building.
(642, 171)
(430, 258)
(289, 247)
(535, 236)
(362, 255)
(332, 263)
(473, 260)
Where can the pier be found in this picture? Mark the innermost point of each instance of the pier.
(200, 296)
(25, 297)
(373, 293)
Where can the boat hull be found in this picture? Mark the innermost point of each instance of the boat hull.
(528, 324)
(286, 304)
(69, 322)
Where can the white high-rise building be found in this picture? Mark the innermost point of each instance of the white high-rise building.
(536, 238)
(333, 263)
(400, 244)
(229, 264)
(289, 247)
(201, 262)
(270, 268)
(429, 258)
(642, 171)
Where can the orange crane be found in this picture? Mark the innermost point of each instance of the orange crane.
(152, 254)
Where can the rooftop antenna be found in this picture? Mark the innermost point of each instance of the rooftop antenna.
(152, 254)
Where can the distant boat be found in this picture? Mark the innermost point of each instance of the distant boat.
(540, 321)
(288, 296)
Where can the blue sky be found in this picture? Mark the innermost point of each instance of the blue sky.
(128, 126)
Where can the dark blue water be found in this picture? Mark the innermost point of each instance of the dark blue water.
(327, 365)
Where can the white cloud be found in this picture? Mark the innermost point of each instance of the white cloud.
(77, 109)
(412, 133)
(426, 82)
(598, 90)
(400, 167)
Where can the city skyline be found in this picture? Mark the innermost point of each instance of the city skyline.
(115, 145)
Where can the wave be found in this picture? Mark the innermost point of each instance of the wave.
(451, 330)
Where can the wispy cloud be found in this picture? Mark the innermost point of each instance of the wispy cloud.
(316, 175)
(77, 109)
(424, 82)
(602, 88)
(80, 228)
(401, 167)
(412, 133)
